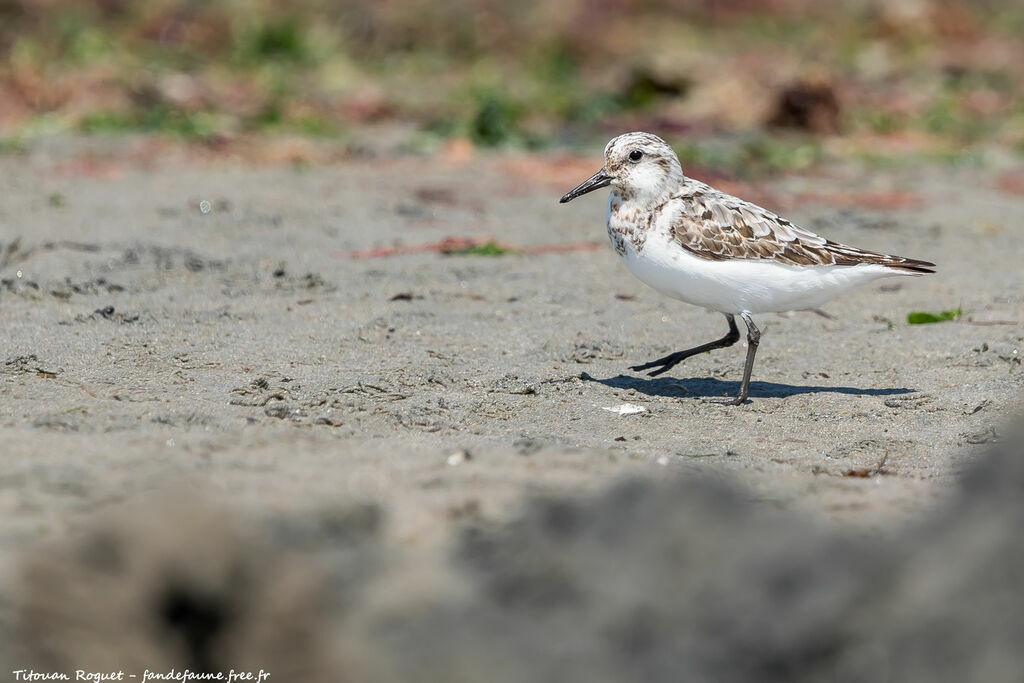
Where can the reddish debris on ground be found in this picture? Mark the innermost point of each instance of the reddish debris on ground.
(458, 151)
(435, 195)
(445, 246)
(1012, 182)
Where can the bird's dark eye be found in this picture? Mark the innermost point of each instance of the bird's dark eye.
(636, 155)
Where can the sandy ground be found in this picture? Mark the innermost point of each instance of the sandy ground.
(148, 341)
(207, 325)
(250, 415)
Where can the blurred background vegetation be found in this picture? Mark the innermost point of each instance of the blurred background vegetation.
(737, 84)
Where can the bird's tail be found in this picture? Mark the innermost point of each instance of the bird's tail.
(911, 266)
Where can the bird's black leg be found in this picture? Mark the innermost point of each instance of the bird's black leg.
(673, 359)
(753, 338)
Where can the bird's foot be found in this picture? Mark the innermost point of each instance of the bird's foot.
(662, 364)
(665, 367)
(723, 401)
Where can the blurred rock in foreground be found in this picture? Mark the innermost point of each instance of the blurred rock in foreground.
(687, 580)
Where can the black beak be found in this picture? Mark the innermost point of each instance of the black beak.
(594, 182)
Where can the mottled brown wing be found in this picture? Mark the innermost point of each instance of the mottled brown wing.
(717, 227)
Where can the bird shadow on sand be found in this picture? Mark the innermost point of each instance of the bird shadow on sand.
(703, 387)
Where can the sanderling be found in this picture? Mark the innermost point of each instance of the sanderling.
(691, 242)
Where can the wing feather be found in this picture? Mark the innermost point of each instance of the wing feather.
(717, 226)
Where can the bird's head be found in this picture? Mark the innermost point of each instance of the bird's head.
(638, 166)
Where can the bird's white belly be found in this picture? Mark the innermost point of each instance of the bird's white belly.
(741, 285)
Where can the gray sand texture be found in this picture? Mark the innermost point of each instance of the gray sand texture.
(229, 329)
